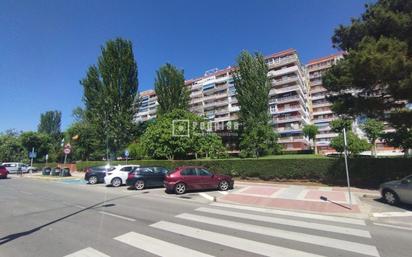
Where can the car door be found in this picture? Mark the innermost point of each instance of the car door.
(124, 172)
(159, 176)
(405, 190)
(206, 178)
(191, 179)
(148, 176)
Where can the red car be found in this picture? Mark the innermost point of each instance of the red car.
(187, 178)
(3, 172)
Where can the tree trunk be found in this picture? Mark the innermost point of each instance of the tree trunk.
(375, 154)
(314, 145)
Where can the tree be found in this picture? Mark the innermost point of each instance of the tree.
(355, 144)
(252, 87)
(170, 89)
(175, 135)
(258, 141)
(210, 146)
(311, 131)
(110, 92)
(136, 151)
(11, 149)
(84, 142)
(375, 77)
(42, 143)
(50, 123)
(338, 125)
(373, 130)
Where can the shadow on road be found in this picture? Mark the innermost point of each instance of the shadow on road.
(15, 236)
(404, 206)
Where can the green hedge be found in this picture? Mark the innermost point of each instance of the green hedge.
(364, 172)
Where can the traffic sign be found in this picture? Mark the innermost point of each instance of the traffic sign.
(32, 155)
(126, 153)
(67, 150)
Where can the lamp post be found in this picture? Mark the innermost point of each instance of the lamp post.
(346, 165)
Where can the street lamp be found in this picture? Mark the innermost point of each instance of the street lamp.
(346, 165)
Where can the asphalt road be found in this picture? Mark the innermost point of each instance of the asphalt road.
(50, 219)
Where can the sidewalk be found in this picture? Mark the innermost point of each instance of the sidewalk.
(334, 200)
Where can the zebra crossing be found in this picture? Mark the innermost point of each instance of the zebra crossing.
(255, 231)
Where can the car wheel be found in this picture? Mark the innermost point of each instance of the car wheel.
(390, 197)
(223, 185)
(116, 182)
(93, 180)
(180, 188)
(139, 185)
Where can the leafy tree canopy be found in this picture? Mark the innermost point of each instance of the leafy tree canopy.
(110, 92)
(355, 144)
(170, 89)
(50, 123)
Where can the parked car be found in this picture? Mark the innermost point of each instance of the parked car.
(143, 177)
(187, 178)
(397, 191)
(15, 167)
(3, 172)
(27, 168)
(96, 174)
(118, 175)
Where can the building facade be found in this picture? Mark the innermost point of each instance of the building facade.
(321, 114)
(148, 106)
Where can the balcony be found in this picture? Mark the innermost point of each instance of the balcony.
(321, 120)
(318, 97)
(327, 135)
(278, 82)
(276, 91)
(196, 93)
(322, 112)
(321, 104)
(318, 89)
(289, 129)
(287, 119)
(196, 100)
(296, 139)
(283, 61)
(218, 112)
(234, 109)
(221, 103)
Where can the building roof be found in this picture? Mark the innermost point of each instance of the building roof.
(326, 58)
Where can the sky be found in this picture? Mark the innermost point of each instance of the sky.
(47, 46)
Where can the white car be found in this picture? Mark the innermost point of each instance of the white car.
(118, 176)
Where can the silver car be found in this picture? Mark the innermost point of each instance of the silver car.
(397, 191)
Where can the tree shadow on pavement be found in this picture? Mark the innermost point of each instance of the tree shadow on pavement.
(12, 237)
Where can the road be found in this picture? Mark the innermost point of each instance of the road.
(51, 219)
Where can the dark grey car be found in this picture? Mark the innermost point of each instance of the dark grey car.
(397, 191)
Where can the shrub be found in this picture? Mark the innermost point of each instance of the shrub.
(363, 172)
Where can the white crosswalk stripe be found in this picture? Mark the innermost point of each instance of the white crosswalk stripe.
(293, 214)
(87, 252)
(281, 233)
(289, 222)
(158, 247)
(231, 241)
(295, 236)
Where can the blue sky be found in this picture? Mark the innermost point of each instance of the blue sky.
(46, 46)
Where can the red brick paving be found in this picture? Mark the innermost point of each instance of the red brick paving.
(264, 191)
(332, 196)
(327, 207)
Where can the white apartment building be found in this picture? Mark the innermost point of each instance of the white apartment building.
(321, 114)
(148, 106)
(213, 96)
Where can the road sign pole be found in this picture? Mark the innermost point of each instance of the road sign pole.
(126, 159)
(31, 159)
(346, 166)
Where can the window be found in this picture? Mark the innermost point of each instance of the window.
(203, 172)
(128, 168)
(188, 172)
(160, 170)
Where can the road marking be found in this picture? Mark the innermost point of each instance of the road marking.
(87, 252)
(208, 197)
(285, 234)
(391, 226)
(231, 241)
(223, 192)
(294, 214)
(117, 216)
(157, 247)
(289, 222)
(392, 214)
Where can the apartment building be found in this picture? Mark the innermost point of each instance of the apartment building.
(321, 114)
(148, 106)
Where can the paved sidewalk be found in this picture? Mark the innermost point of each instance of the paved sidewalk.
(297, 197)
